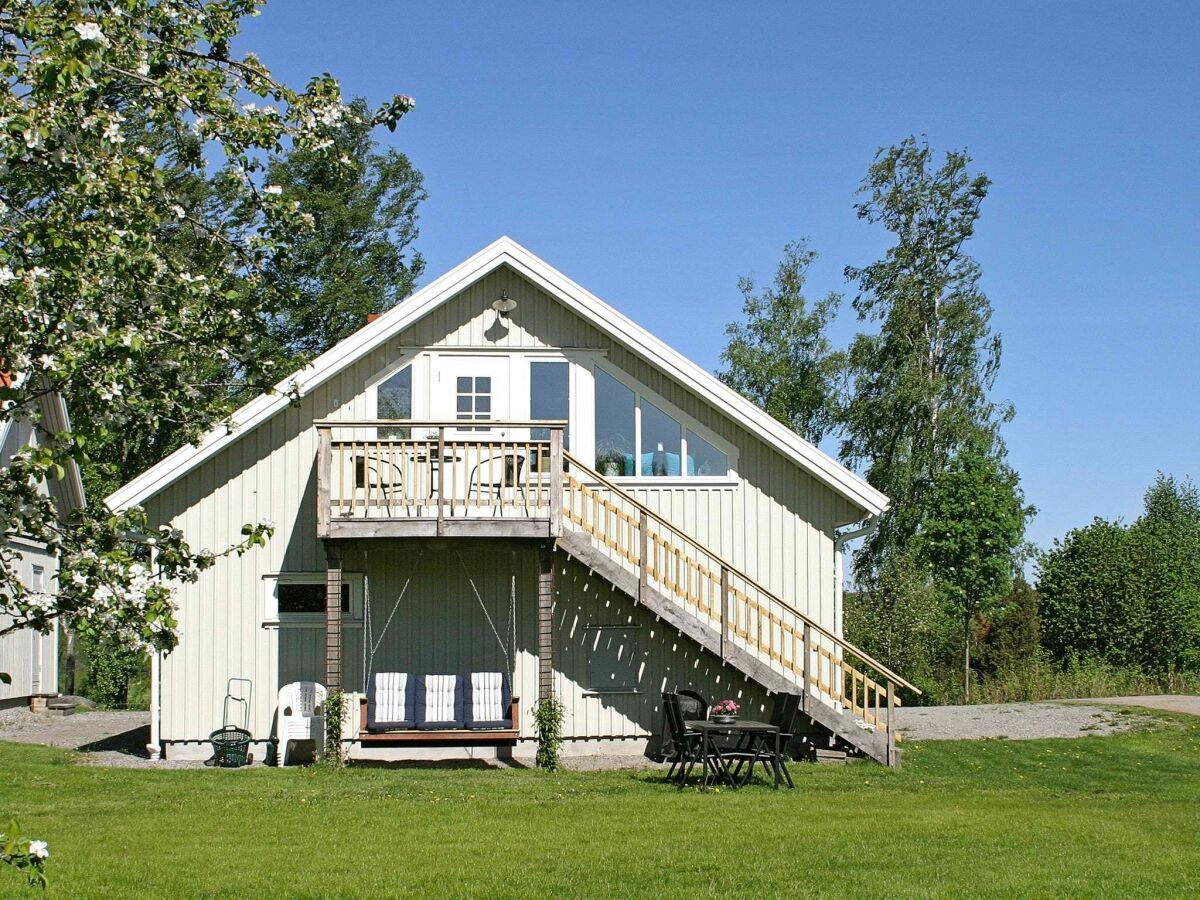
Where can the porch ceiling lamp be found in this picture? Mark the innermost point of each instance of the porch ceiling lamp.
(504, 305)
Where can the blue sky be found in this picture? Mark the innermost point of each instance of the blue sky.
(655, 152)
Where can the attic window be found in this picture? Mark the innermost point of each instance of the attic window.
(637, 436)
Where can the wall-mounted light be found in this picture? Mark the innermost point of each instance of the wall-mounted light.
(504, 304)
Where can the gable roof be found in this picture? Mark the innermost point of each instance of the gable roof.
(67, 491)
(582, 302)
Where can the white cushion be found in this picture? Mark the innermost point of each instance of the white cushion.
(487, 697)
(439, 697)
(391, 694)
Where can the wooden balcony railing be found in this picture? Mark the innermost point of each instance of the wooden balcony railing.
(403, 470)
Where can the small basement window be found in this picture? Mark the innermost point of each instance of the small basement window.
(612, 654)
(300, 597)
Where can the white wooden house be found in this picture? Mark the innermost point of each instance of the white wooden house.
(28, 657)
(504, 474)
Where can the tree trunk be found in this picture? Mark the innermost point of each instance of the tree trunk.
(967, 659)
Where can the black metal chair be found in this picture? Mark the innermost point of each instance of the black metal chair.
(687, 746)
(491, 479)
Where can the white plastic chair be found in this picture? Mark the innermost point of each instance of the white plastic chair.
(301, 717)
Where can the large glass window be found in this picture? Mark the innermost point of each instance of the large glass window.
(615, 433)
(549, 397)
(662, 446)
(661, 440)
(703, 458)
(393, 400)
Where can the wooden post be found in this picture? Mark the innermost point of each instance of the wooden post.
(441, 487)
(547, 649)
(556, 481)
(324, 471)
(891, 735)
(807, 669)
(724, 604)
(333, 615)
(643, 553)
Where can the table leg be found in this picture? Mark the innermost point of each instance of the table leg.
(776, 762)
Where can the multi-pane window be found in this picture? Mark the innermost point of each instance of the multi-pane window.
(473, 397)
(635, 436)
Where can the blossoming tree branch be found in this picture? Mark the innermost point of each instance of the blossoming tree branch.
(115, 285)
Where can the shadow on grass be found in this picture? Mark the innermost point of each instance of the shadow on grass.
(130, 743)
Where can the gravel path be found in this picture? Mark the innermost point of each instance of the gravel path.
(119, 738)
(1017, 721)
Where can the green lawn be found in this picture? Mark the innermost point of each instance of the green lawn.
(1112, 816)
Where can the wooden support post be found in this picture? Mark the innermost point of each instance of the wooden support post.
(891, 735)
(556, 481)
(643, 553)
(324, 471)
(547, 648)
(724, 605)
(333, 615)
(441, 488)
(807, 669)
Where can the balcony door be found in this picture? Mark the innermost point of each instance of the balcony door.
(471, 390)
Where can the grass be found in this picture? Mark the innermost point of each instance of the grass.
(1093, 816)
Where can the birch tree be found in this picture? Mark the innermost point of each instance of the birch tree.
(921, 381)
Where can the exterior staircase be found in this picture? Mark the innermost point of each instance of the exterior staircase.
(728, 613)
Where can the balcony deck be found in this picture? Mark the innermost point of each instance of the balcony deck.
(389, 479)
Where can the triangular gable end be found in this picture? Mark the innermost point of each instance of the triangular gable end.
(583, 303)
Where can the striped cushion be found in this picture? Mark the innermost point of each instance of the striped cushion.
(390, 700)
(440, 702)
(489, 703)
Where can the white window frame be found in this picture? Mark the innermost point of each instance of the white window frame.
(687, 423)
(272, 615)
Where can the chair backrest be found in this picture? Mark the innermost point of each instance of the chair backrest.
(303, 699)
(692, 704)
(675, 721)
(783, 716)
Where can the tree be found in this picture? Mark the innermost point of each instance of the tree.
(970, 537)
(1129, 596)
(779, 357)
(96, 304)
(352, 261)
(920, 384)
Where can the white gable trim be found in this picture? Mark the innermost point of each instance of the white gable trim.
(582, 302)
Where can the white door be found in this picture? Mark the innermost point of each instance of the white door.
(471, 389)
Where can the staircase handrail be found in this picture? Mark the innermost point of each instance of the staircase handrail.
(665, 523)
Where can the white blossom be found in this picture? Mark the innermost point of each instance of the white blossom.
(90, 31)
(6, 275)
(39, 849)
(272, 189)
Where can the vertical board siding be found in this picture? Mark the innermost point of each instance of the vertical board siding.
(775, 522)
(23, 653)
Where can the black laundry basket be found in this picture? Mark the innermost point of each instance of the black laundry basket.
(231, 747)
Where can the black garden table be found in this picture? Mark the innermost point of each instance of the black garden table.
(757, 742)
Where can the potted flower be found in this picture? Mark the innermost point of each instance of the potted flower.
(724, 712)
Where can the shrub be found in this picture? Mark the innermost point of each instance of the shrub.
(111, 667)
(548, 717)
(335, 719)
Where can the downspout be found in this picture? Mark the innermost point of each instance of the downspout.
(154, 748)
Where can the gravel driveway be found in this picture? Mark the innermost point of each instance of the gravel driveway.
(119, 738)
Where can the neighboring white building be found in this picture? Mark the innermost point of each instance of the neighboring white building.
(614, 522)
(30, 658)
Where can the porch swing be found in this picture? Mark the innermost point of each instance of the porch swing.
(472, 707)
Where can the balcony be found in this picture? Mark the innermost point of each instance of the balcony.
(389, 478)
